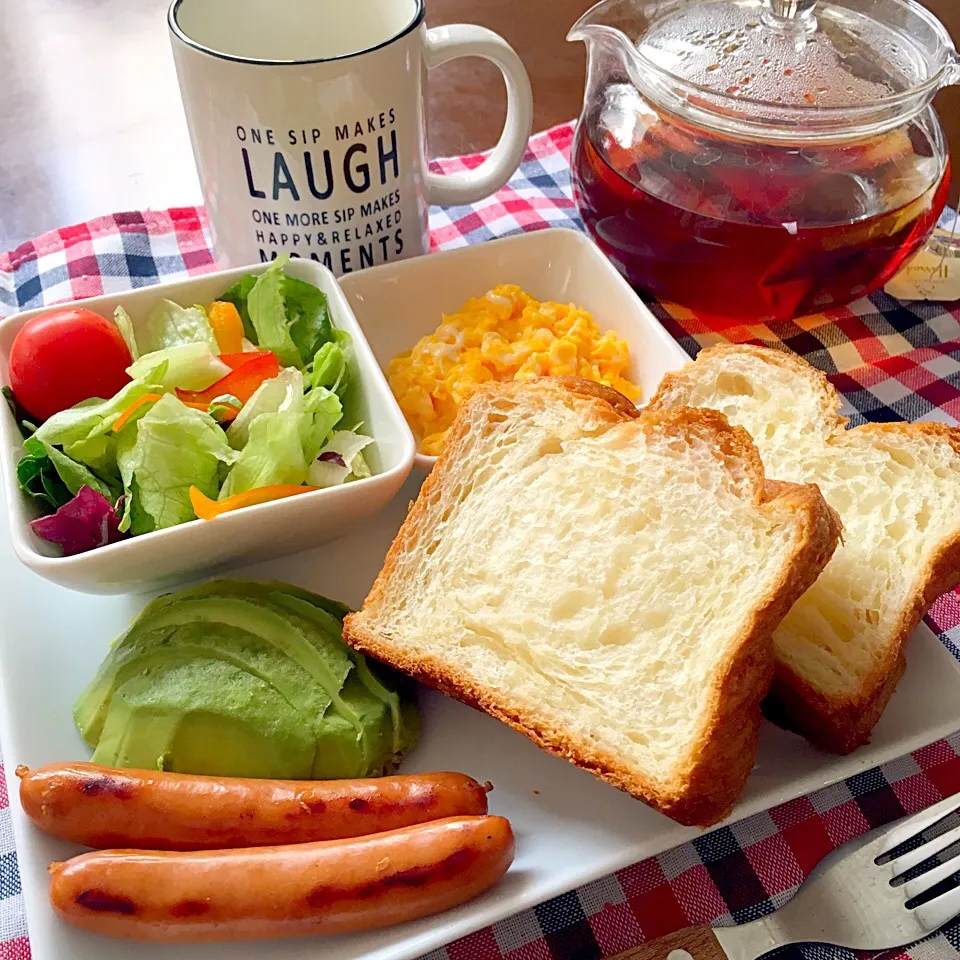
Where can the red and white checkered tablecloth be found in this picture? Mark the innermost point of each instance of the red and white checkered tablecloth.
(890, 360)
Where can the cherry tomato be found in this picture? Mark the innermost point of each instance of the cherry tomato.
(64, 356)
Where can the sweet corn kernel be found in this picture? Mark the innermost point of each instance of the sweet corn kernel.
(503, 335)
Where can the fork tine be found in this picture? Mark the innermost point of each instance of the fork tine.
(931, 848)
(939, 911)
(920, 822)
(918, 885)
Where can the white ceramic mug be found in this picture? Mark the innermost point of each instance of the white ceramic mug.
(307, 122)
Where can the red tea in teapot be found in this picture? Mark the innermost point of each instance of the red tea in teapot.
(739, 231)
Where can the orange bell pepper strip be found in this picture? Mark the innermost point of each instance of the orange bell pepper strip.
(207, 509)
(227, 326)
(121, 421)
(242, 383)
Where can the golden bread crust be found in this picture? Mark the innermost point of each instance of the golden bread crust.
(719, 762)
(841, 723)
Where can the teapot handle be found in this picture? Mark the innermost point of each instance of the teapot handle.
(467, 40)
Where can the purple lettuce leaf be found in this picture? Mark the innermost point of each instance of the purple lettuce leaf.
(84, 523)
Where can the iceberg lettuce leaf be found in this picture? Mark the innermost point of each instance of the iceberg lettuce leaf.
(170, 325)
(281, 446)
(288, 316)
(92, 418)
(280, 393)
(189, 366)
(168, 450)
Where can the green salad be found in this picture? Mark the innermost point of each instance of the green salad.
(210, 409)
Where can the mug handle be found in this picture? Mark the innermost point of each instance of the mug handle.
(468, 40)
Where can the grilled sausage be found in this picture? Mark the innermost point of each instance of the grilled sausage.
(334, 886)
(102, 807)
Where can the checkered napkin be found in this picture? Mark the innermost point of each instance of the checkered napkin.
(890, 360)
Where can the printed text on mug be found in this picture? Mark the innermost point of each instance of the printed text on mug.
(358, 161)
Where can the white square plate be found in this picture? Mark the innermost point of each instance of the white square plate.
(570, 827)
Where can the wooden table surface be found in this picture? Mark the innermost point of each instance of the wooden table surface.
(91, 119)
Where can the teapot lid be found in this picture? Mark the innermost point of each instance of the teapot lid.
(786, 51)
(799, 62)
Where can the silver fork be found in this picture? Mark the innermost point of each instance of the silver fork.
(855, 897)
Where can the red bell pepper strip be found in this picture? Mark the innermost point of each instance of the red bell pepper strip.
(236, 360)
(241, 383)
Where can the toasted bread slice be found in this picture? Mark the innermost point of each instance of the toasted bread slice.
(607, 583)
(896, 487)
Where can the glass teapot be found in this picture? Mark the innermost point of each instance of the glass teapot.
(761, 159)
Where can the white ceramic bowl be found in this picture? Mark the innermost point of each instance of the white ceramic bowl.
(162, 558)
(398, 303)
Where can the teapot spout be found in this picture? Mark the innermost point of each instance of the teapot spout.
(951, 75)
(599, 26)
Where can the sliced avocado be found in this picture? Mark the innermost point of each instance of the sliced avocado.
(322, 619)
(385, 696)
(89, 709)
(379, 750)
(234, 676)
(205, 716)
(340, 752)
(301, 602)
(265, 589)
(333, 607)
(89, 701)
(151, 650)
(327, 663)
(409, 726)
(320, 612)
